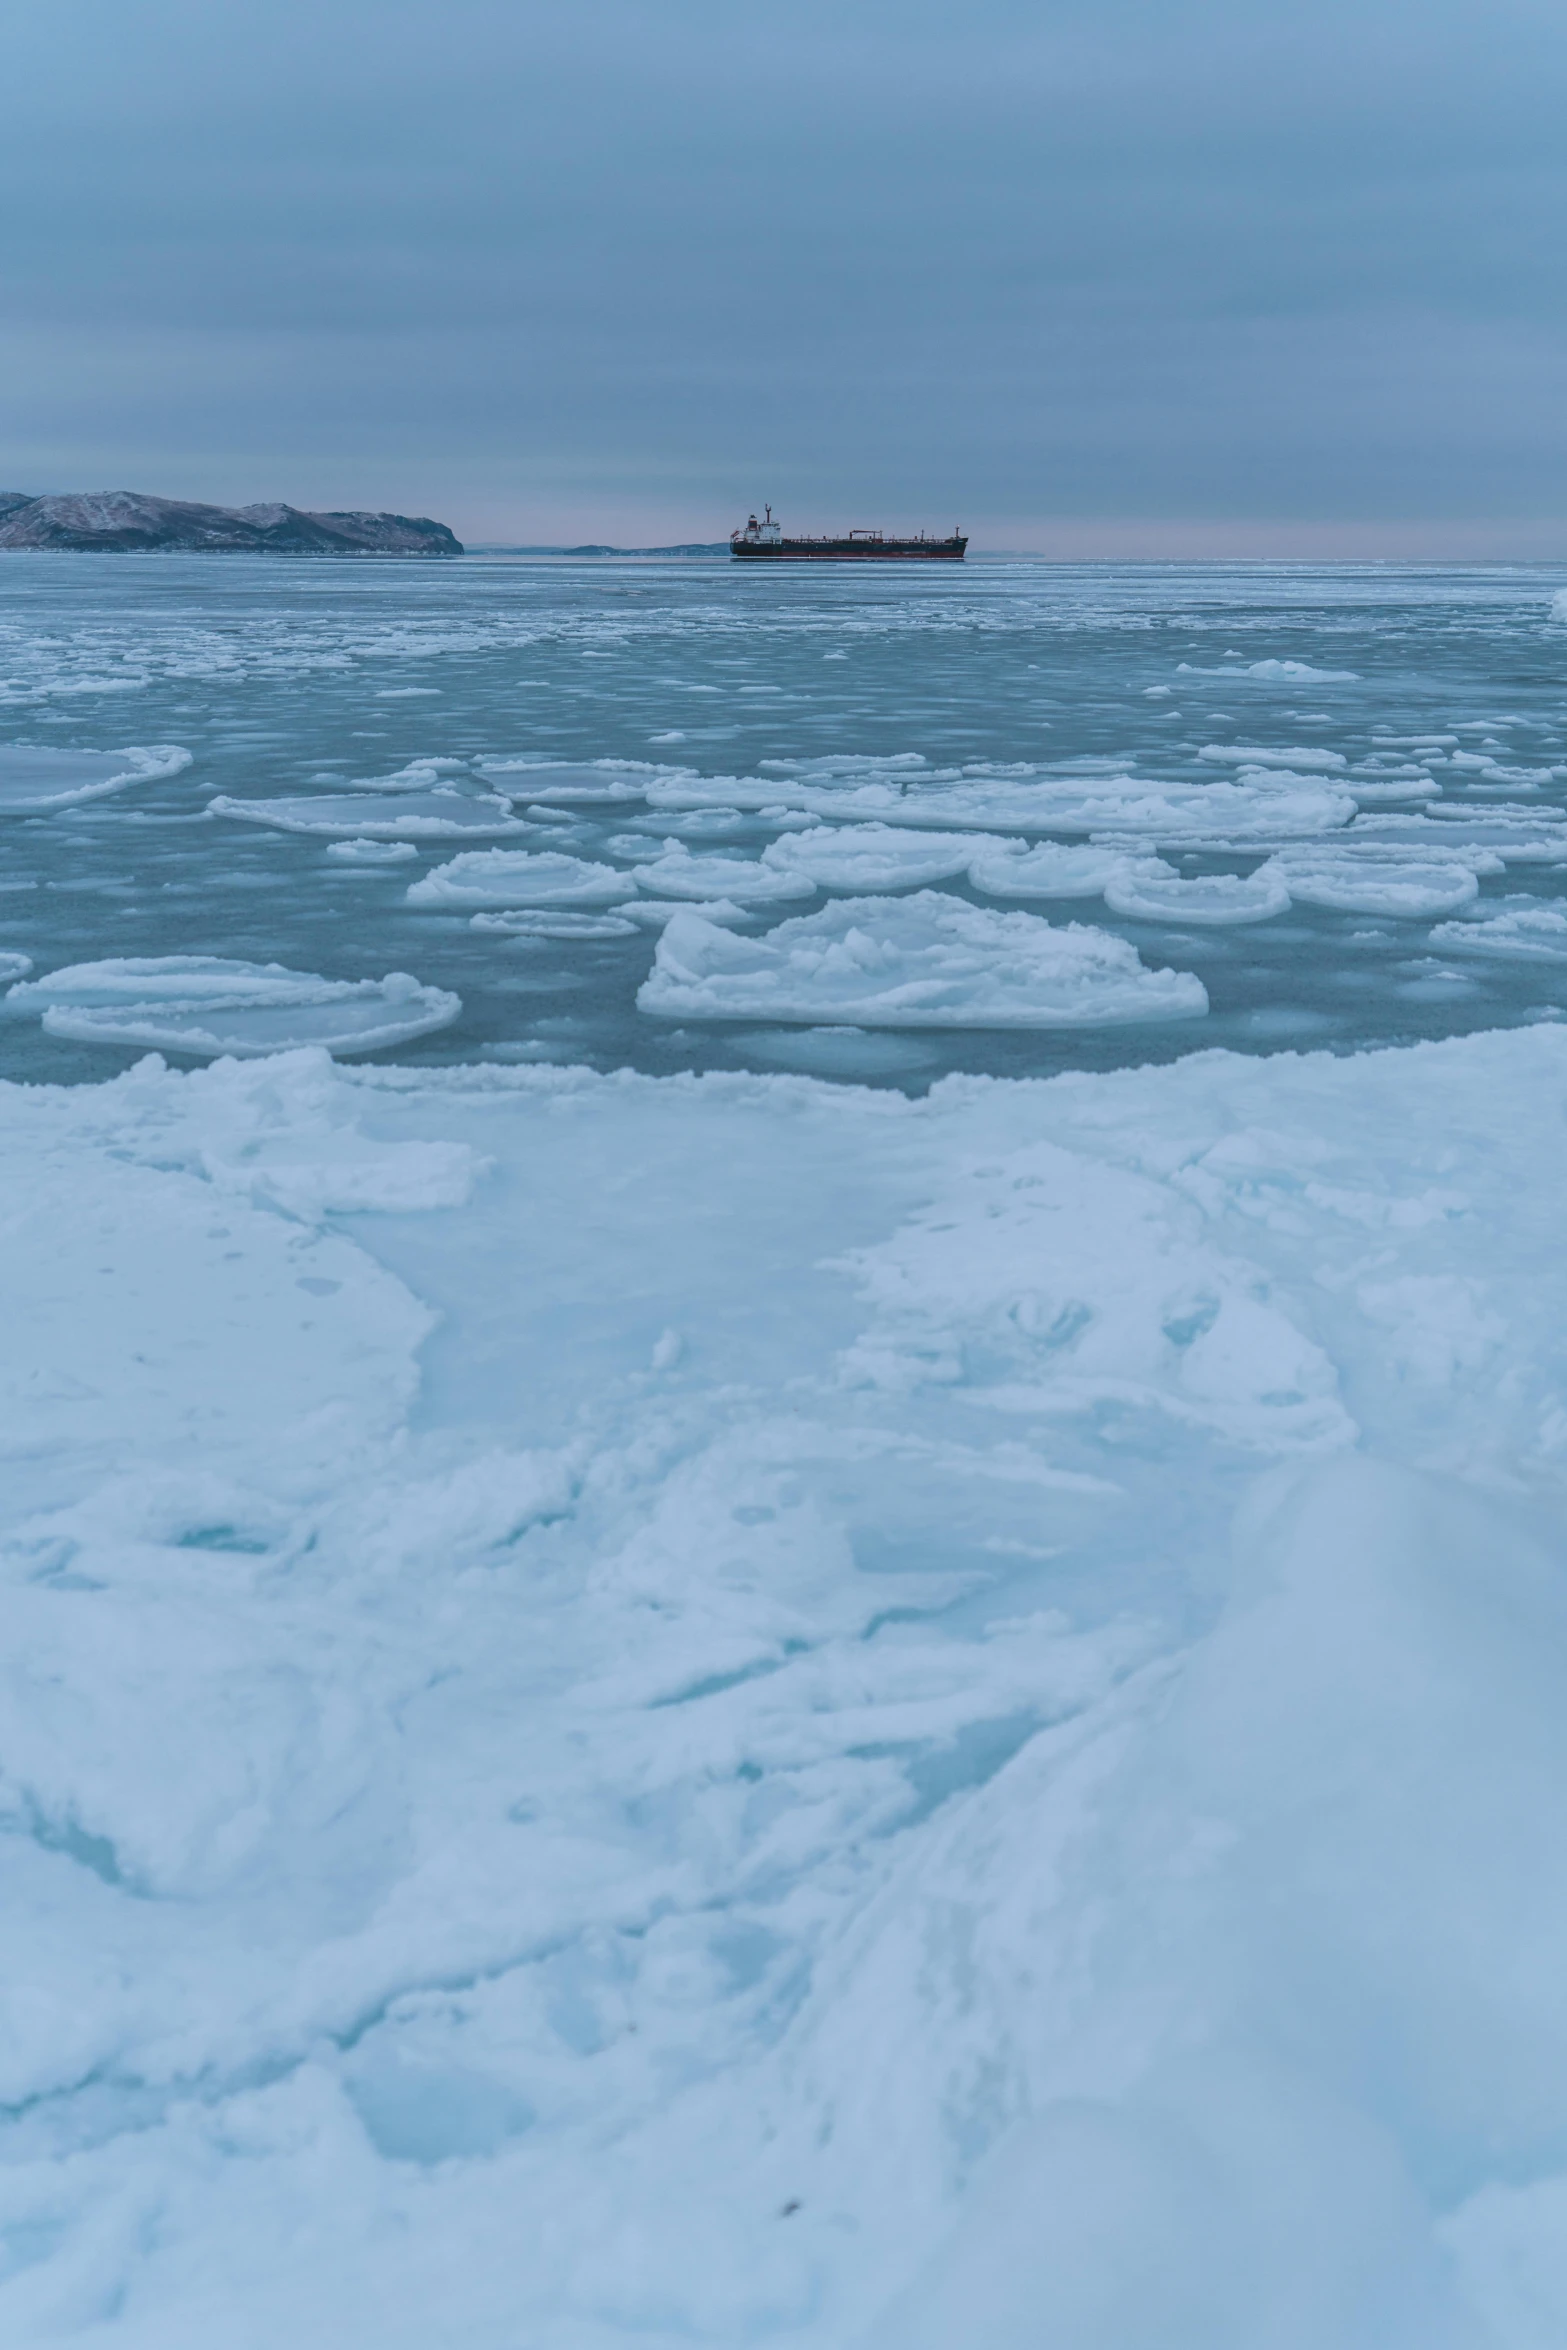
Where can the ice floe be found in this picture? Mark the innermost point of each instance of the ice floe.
(1262, 806)
(209, 1005)
(545, 925)
(658, 913)
(867, 858)
(743, 880)
(35, 779)
(1005, 869)
(1296, 760)
(372, 852)
(1352, 884)
(1519, 928)
(414, 815)
(519, 877)
(1274, 672)
(1152, 892)
(418, 775)
(588, 781)
(927, 961)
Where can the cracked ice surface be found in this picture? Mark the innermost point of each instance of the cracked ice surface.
(943, 1718)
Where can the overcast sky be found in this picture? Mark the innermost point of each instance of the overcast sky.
(1090, 275)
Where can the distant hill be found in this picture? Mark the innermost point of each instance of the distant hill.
(108, 521)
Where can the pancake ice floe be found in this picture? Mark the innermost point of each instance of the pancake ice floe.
(547, 925)
(927, 961)
(208, 1006)
(1352, 884)
(588, 781)
(1151, 892)
(520, 877)
(866, 858)
(743, 880)
(372, 852)
(1520, 929)
(1006, 869)
(35, 779)
(436, 815)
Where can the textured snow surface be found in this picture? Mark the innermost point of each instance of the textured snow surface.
(208, 1005)
(733, 1712)
(36, 780)
(927, 961)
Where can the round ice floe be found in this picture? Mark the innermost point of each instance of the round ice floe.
(436, 815)
(1151, 892)
(32, 781)
(870, 857)
(928, 961)
(1005, 869)
(518, 925)
(743, 880)
(15, 966)
(1521, 930)
(519, 877)
(207, 1005)
(372, 852)
(1379, 885)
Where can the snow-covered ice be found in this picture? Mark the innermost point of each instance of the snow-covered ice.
(938, 1712)
(862, 1707)
(927, 961)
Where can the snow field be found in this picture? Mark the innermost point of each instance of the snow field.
(733, 1711)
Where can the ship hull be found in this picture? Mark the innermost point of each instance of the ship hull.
(854, 551)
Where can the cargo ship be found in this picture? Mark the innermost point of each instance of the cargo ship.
(764, 542)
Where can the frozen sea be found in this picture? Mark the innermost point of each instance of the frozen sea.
(1376, 741)
(784, 1456)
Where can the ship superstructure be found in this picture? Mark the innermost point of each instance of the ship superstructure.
(764, 542)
